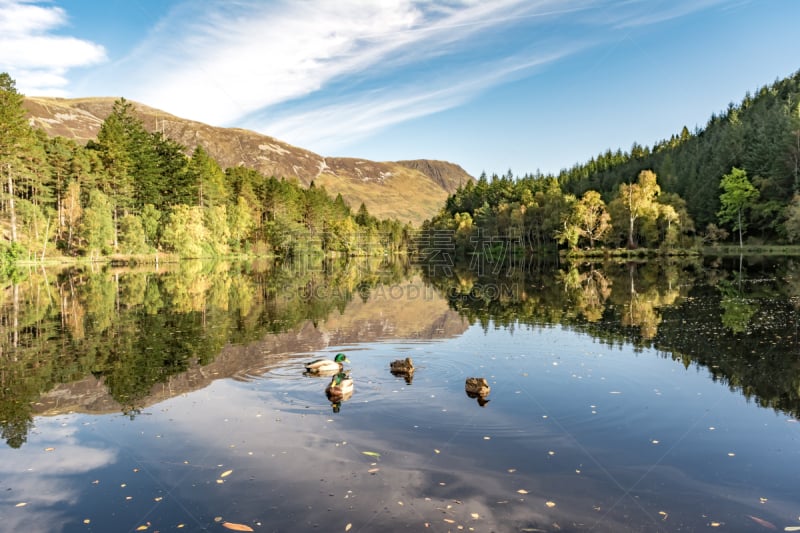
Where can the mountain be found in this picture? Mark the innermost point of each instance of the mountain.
(408, 190)
(377, 318)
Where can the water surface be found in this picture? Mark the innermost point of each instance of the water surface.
(623, 398)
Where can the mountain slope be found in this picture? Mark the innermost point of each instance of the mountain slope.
(408, 190)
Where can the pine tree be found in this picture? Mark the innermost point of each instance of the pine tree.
(15, 143)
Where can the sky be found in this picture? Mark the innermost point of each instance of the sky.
(491, 85)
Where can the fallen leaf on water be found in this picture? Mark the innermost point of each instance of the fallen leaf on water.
(437, 451)
(522, 491)
(475, 515)
(550, 504)
(220, 481)
(792, 528)
(715, 524)
(347, 527)
(226, 473)
(761, 522)
(233, 526)
(158, 499)
(762, 500)
(662, 513)
(21, 504)
(142, 528)
(373, 470)
(372, 454)
(49, 449)
(449, 520)
(87, 521)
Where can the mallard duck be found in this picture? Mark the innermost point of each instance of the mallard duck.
(321, 366)
(340, 388)
(402, 366)
(477, 387)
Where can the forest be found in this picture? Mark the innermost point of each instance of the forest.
(737, 178)
(132, 192)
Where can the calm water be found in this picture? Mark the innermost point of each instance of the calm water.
(623, 398)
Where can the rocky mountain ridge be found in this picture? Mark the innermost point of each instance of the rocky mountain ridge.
(408, 190)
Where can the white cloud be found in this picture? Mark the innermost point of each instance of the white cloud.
(233, 61)
(332, 126)
(37, 59)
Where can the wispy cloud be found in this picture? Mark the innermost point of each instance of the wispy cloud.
(241, 57)
(33, 54)
(331, 126)
(634, 16)
(300, 70)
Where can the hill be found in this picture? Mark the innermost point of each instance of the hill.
(760, 135)
(407, 190)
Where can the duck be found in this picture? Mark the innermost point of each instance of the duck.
(340, 388)
(477, 387)
(402, 366)
(322, 366)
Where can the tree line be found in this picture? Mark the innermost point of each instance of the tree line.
(740, 175)
(131, 191)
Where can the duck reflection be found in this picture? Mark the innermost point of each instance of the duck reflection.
(403, 368)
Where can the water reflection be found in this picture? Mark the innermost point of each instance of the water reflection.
(120, 339)
(735, 317)
(587, 428)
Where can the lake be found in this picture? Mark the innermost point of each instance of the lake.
(659, 396)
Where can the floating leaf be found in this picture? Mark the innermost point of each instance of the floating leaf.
(792, 528)
(233, 526)
(550, 504)
(715, 524)
(226, 473)
(21, 504)
(437, 451)
(449, 520)
(87, 521)
(522, 491)
(373, 470)
(372, 454)
(50, 449)
(347, 527)
(142, 528)
(761, 522)
(475, 515)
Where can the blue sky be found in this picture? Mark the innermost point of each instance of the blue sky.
(490, 85)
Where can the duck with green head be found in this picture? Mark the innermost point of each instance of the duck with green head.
(340, 388)
(322, 366)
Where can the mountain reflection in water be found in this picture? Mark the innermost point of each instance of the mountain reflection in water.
(591, 426)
